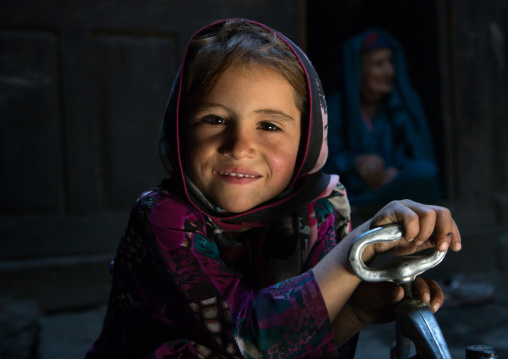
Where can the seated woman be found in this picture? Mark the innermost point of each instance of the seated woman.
(378, 135)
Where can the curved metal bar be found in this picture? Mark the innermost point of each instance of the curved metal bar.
(416, 322)
(401, 270)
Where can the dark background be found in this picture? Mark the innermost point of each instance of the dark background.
(415, 24)
(83, 87)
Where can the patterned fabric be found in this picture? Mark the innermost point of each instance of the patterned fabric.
(174, 296)
(193, 281)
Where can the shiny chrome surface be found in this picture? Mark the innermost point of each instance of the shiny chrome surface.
(400, 270)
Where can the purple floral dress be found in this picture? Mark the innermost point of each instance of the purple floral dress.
(177, 294)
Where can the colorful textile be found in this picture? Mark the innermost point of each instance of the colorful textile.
(399, 132)
(174, 296)
(184, 284)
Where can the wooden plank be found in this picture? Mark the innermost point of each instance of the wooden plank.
(30, 126)
(132, 78)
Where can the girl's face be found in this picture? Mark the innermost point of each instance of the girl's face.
(377, 73)
(241, 143)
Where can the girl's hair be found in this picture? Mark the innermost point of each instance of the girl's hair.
(238, 42)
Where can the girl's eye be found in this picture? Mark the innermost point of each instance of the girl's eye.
(267, 126)
(215, 120)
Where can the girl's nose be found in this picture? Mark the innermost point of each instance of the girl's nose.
(238, 143)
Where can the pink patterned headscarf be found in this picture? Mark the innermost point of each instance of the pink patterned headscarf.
(308, 183)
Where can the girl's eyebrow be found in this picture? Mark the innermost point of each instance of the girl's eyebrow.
(277, 113)
(208, 105)
(267, 111)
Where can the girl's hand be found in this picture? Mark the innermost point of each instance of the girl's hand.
(352, 304)
(424, 226)
(374, 303)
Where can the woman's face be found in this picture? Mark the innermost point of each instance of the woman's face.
(241, 143)
(377, 73)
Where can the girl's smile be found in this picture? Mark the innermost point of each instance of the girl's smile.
(241, 143)
(238, 176)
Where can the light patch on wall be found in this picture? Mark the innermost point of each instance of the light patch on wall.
(496, 42)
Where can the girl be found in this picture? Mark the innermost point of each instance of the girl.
(242, 252)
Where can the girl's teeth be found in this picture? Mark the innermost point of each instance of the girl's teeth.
(232, 174)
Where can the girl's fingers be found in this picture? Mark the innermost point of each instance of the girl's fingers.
(445, 229)
(421, 290)
(395, 293)
(456, 244)
(428, 291)
(421, 224)
(427, 218)
(436, 294)
(398, 212)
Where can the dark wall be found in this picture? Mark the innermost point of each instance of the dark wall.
(480, 76)
(482, 79)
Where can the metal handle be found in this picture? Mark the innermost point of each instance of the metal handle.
(416, 325)
(401, 270)
(417, 329)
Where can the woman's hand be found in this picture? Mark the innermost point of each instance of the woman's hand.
(371, 168)
(424, 226)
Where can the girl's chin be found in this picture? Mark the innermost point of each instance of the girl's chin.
(237, 207)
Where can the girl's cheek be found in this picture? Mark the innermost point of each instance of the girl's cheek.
(284, 161)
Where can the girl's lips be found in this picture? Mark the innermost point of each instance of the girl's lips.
(237, 176)
(237, 172)
(233, 174)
